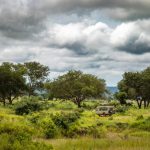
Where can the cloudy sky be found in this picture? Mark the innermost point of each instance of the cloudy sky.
(101, 37)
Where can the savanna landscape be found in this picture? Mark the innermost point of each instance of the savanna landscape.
(74, 74)
(61, 114)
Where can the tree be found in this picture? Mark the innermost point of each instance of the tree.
(137, 86)
(12, 83)
(76, 86)
(146, 86)
(35, 74)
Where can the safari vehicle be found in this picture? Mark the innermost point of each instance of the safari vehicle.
(105, 110)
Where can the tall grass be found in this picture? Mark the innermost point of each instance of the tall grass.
(101, 144)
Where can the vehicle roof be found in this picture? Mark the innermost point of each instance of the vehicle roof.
(105, 106)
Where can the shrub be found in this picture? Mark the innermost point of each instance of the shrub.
(140, 117)
(114, 103)
(64, 120)
(27, 106)
(122, 126)
(19, 131)
(50, 129)
(121, 109)
(94, 131)
(11, 142)
(142, 125)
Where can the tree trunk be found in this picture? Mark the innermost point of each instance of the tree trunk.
(79, 104)
(145, 103)
(10, 101)
(139, 102)
(148, 102)
(78, 101)
(4, 102)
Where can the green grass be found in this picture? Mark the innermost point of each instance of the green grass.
(122, 131)
(87, 143)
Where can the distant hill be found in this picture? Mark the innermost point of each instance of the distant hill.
(112, 89)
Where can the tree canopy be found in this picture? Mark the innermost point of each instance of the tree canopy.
(137, 86)
(76, 86)
(12, 83)
(35, 74)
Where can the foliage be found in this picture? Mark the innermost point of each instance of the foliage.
(35, 74)
(12, 83)
(13, 142)
(121, 109)
(137, 86)
(57, 121)
(50, 129)
(76, 86)
(121, 96)
(142, 124)
(64, 120)
(27, 106)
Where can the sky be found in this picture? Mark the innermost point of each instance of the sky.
(102, 37)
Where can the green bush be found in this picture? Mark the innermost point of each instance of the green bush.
(50, 129)
(90, 104)
(94, 131)
(121, 109)
(121, 126)
(140, 117)
(11, 142)
(19, 131)
(143, 124)
(64, 120)
(27, 106)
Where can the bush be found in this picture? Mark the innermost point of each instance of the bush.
(50, 129)
(19, 131)
(122, 126)
(143, 124)
(64, 120)
(11, 142)
(140, 117)
(114, 103)
(121, 109)
(90, 104)
(94, 131)
(27, 106)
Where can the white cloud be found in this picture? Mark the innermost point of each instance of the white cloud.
(69, 34)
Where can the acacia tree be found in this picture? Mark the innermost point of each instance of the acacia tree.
(137, 86)
(76, 86)
(35, 75)
(12, 83)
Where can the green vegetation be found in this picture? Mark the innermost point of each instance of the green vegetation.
(76, 86)
(57, 121)
(60, 114)
(136, 85)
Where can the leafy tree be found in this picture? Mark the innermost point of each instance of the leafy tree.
(146, 86)
(35, 74)
(137, 86)
(12, 83)
(76, 86)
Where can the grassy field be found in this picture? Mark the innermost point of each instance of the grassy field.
(63, 126)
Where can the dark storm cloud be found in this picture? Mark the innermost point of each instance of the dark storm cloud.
(23, 18)
(135, 48)
(132, 37)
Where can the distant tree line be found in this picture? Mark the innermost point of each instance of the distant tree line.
(26, 79)
(30, 78)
